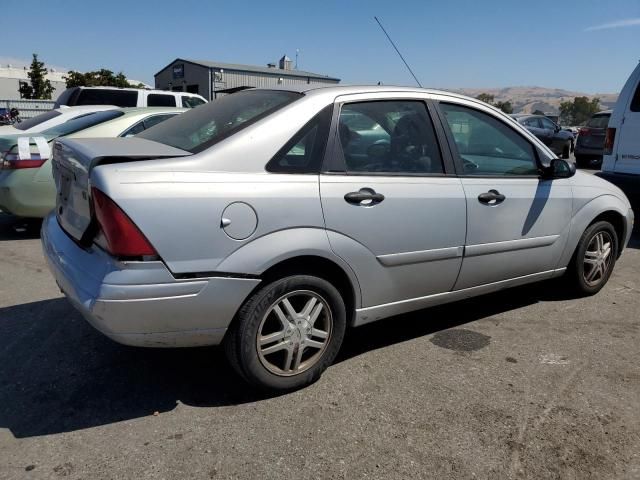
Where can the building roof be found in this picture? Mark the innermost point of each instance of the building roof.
(252, 68)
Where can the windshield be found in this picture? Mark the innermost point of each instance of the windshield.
(82, 122)
(37, 120)
(599, 121)
(198, 129)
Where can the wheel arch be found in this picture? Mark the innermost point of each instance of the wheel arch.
(605, 207)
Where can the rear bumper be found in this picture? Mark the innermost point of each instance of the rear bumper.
(23, 196)
(594, 152)
(141, 303)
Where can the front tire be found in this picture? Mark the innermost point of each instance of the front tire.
(594, 258)
(287, 333)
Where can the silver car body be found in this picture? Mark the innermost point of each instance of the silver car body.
(220, 222)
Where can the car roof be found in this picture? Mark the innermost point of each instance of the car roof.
(130, 89)
(140, 110)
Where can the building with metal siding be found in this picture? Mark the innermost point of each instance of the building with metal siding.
(211, 79)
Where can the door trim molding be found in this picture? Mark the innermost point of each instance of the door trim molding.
(378, 312)
(509, 245)
(405, 258)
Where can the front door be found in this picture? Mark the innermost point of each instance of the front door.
(391, 210)
(517, 223)
(628, 138)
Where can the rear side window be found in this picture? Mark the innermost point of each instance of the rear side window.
(486, 146)
(160, 100)
(37, 120)
(119, 98)
(191, 102)
(635, 102)
(599, 121)
(200, 128)
(146, 123)
(304, 152)
(395, 137)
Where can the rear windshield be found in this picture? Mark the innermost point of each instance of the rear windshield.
(599, 121)
(82, 122)
(198, 129)
(119, 98)
(37, 120)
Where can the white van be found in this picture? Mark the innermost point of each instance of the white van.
(127, 97)
(621, 160)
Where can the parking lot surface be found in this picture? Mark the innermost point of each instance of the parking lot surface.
(525, 383)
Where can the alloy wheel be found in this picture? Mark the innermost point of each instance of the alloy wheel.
(597, 258)
(294, 333)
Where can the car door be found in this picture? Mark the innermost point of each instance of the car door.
(393, 211)
(517, 222)
(555, 140)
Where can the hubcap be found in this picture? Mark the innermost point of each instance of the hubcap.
(597, 258)
(294, 333)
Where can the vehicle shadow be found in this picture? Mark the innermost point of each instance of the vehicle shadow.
(12, 228)
(61, 375)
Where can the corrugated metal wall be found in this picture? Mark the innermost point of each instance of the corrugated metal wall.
(232, 79)
(28, 108)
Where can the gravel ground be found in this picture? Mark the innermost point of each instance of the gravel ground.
(526, 383)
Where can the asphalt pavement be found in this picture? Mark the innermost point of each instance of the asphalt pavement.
(526, 383)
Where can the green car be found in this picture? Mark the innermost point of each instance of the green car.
(27, 188)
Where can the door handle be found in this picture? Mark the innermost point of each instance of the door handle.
(492, 197)
(365, 197)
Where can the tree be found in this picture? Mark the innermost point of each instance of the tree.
(506, 107)
(99, 78)
(579, 111)
(40, 87)
(486, 98)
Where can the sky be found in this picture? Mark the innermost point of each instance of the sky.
(587, 46)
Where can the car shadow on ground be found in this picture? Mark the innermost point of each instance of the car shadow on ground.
(12, 228)
(59, 374)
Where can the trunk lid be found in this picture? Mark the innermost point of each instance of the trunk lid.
(72, 163)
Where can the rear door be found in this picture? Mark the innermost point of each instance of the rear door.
(516, 222)
(628, 142)
(393, 208)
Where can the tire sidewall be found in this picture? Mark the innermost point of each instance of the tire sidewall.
(251, 315)
(578, 266)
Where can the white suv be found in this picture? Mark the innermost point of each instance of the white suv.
(621, 160)
(128, 97)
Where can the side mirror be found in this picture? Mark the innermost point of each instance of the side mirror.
(560, 168)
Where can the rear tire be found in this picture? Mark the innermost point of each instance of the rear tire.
(566, 151)
(581, 161)
(594, 258)
(287, 333)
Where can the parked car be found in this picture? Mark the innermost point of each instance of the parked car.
(128, 97)
(254, 222)
(557, 139)
(590, 143)
(574, 131)
(50, 119)
(27, 188)
(621, 160)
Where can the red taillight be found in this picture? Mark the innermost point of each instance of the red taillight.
(584, 131)
(123, 237)
(609, 140)
(10, 161)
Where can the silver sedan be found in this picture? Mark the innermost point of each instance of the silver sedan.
(272, 220)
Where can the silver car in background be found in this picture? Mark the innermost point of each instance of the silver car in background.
(271, 220)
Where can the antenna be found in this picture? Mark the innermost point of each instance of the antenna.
(297, 52)
(398, 51)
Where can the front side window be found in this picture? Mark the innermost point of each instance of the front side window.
(395, 137)
(635, 102)
(200, 128)
(160, 100)
(487, 146)
(548, 124)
